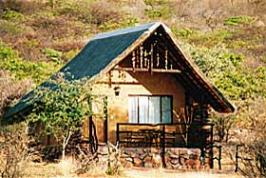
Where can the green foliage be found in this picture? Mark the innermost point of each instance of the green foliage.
(183, 32)
(239, 20)
(227, 71)
(52, 54)
(69, 55)
(126, 22)
(209, 39)
(12, 15)
(163, 12)
(8, 27)
(6, 52)
(60, 110)
(155, 2)
(157, 9)
(22, 69)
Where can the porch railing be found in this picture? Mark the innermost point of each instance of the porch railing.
(171, 135)
(167, 135)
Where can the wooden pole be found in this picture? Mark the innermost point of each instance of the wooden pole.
(237, 158)
(117, 133)
(211, 148)
(163, 149)
(105, 124)
(90, 123)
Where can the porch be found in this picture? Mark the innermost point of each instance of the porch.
(165, 137)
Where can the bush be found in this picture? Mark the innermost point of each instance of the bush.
(239, 20)
(21, 69)
(52, 54)
(253, 122)
(102, 12)
(12, 15)
(13, 150)
(28, 7)
(7, 27)
(157, 9)
(11, 90)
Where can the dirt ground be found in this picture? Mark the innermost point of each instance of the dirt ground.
(159, 173)
(55, 170)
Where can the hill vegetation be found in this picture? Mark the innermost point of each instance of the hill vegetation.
(227, 39)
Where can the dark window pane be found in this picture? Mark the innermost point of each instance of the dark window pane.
(154, 110)
(166, 109)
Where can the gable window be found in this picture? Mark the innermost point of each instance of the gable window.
(150, 109)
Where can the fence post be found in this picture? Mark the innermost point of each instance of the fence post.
(220, 157)
(236, 158)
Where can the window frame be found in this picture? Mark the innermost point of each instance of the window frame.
(157, 95)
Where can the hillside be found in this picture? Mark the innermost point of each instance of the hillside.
(227, 39)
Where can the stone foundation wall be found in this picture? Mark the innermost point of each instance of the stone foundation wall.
(175, 158)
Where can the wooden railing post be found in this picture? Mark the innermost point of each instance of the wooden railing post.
(237, 158)
(117, 133)
(105, 124)
(163, 148)
(211, 148)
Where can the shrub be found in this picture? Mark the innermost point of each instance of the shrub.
(52, 54)
(102, 12)
(157, 9)
(21, 6)
(13, 150)
(60, 110)
(253, 122)
(183, 32)
(11, 90)
(21, 69)
(7, 27)
(239, 20)
(12, 15)
(223, 126)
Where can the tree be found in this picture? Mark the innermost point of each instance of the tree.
(61, 110)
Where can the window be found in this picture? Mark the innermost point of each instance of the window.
(150, 109)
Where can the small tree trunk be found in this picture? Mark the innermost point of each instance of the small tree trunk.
(65, 142)
(64, 149)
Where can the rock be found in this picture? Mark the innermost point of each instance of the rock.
(127, 164)
(129, 159)
(147, 158)
(174, 156)
(192, 164)
(156, 161)
(138, 162)
(148, 164)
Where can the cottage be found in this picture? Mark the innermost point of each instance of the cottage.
(157, 97)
